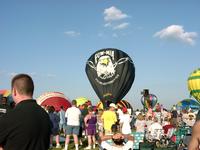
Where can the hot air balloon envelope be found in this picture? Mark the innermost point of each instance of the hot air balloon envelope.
(81, 101)
(149, 101)
(188, 103)
(6, 93)
(120, 104)
(111, 73)
(194, 84)
(55, 99)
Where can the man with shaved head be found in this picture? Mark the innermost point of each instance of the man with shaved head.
(27, 126)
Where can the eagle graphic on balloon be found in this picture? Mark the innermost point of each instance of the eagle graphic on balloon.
(111, 73)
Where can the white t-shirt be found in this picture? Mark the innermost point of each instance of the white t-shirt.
(120, 113)
(149, 123)
(140, 124)
(128, 145)
(156, 130)
(73, 116)
(125, 120)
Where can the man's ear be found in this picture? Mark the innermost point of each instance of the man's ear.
(14, 91)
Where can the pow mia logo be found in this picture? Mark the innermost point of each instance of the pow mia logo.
(105, 66)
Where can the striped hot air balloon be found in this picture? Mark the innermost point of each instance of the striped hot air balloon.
(6, 93)
(150, 101)
(194, 84)
(55, 99)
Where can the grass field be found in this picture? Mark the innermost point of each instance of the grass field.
(72, 146)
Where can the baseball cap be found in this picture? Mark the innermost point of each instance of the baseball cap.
(112, 105)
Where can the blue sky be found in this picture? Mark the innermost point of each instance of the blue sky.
(51, 40)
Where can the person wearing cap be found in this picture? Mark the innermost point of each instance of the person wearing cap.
(125, 121)
(109, 118)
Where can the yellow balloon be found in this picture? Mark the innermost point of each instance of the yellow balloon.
(81, 100)
(194, 84)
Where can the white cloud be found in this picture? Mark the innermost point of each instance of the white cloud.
(72, 33)
(108, 25)
(177, 32)
(113, 14)
(113, 18)
(121, 26)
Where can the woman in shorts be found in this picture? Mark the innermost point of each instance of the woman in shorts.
(90, 124)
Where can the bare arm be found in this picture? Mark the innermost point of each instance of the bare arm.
(194, 141)
(129, 137)
(106, 137)
(85, 120)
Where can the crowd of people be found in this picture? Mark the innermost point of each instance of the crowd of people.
(97, 124)
(29, 126)
(88, 122)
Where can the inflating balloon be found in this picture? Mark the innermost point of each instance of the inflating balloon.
(120, 104)
(188, 103)
(149, 101)
(125, 104)
(111, 73)
(81, 101)
(55, 99)
(194, 84)
(6, 93)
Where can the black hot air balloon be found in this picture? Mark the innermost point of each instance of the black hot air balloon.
(111, 73)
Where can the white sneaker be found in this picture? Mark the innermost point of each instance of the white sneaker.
(94, 146)
(65, 148)
(58, 146)
(89, 147)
